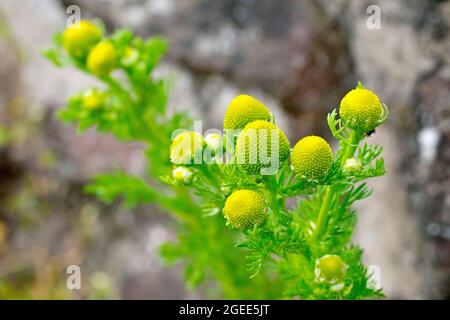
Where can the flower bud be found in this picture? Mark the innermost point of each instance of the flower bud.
(312, 157)
(226, 189)
(186, 147)
(352, 165)
(330, 269)
(242, 110)
(131, 55)
(80, 37)
(213, 141)
(244, 209)
(182, 175)
(102, 59)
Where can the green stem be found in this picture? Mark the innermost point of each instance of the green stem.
(323, 211)
(355, 137)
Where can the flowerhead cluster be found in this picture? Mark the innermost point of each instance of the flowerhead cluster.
(83, 42)
(253, 142)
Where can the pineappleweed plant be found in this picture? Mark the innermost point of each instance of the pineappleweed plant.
(234, 229)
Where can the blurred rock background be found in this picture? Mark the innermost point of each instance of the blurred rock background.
(299, 57)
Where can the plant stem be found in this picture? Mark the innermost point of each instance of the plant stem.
(323, 211)
(355, 137)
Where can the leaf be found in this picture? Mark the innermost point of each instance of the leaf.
(193, 275)
(58, 39)
(122, 38)
(170, 252)
(133, 190)
(53, 56)
(154, 48)
(210, 209)
(360, 85)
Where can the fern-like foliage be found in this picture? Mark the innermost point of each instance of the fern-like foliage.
(308, 219)
(133, 107)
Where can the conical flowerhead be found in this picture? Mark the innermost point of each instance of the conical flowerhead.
(361, 109)
(312, 157)
(245, 208)
(261, 147)
(242, 110)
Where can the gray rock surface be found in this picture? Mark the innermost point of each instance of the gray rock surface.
(406, 61)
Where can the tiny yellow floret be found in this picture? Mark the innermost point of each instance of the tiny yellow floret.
(361, 110)
(261, 145)
(312, 157)
(245, 209)
(102, 59)
(80, 37)
(242, 110)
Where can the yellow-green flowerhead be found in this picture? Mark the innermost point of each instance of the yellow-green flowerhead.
(245, 209)
(330, 269)
(186, 147)
(93, 99)
(102, 59)
(80, 37)
(261, 148)
(312, 157)
(182, 175)
(361, 110)
(242, 110)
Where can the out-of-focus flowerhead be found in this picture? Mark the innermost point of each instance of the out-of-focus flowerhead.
(80, 37)
(183, 175)
(130, 56)
(93, 99)
(185, 147)
(102, 59)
